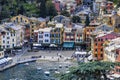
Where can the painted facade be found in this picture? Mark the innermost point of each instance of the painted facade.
(98, 44)
(57, 34)
(44, 36)
(87, 34)
(12, 35)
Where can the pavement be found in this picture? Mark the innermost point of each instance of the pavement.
(53, 53)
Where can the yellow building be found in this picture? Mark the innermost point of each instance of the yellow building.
(36, 24)
(57, 34)
(32, 23)
(20, 19)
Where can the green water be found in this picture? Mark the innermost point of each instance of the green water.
(31, 72)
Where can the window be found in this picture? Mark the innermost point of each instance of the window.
(101, 55)
(7, 42)
(8, 46)
(3, 41)
(11, 34)
(95, 49)
(40, 36)
(3, 46)
(17, 19)
(46, 40)
(101, 44)
(13, 40)
(3, 36)
(8, 37)
(98, 39)
(7, 33)
(32, 26)
(21, 19)
(46, 35)
(32, 30)
(13, 45)
(80, 35)
(101, 49)
(40, 41)
(95, 55)
(14, 34)
(96, 44)
(101, 39)
(58, 40)
(91, 30)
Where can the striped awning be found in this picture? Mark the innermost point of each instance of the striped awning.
(4, 60)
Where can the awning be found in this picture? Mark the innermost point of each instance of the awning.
(68, 44)
(3, 60)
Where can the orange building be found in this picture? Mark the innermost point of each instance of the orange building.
(87, 34)
(98, 49)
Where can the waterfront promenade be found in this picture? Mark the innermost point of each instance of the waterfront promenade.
(25, 56)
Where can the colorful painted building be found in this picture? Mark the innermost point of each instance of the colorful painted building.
(57, 34)
(69, 37)
(98, 49)
(44, 36)
(87, 34)
(30, 24)
(12, 35)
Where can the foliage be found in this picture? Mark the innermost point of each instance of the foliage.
(50, 8)
(42, 8)
(92, 70)
(76, 19)
(87, 21)
(35, 8)
(14, 7)
(65, 13)
(116, 2)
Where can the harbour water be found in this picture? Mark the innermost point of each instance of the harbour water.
(36, 71)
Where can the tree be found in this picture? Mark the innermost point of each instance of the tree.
(42, 8)
(87, 71)
(76, 19)
(51, 11)
(11, 8)
(65, 13)
(116, 2)
(87, 21)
